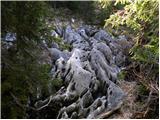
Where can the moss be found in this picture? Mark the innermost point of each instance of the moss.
(63, 46)
(56, 84)
(121, 75)
(66, 47)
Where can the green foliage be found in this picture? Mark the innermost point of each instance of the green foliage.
(90, 11)
(56, 84)
(62, 45)
(44, 78)
(21, 71)
(59, 41)
(104, 11)
(141, 19)
(121, 1)
(142, 90)
(83, 8)
(107, 9)
(121, 75)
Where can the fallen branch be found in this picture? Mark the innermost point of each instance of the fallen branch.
(17, 101)
(28, 107)
(108, 113)
(50, 98)
(20, 104)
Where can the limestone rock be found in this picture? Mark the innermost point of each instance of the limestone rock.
(103, 36)
(89, 72)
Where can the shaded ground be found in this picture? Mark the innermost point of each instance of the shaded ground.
(127, 109)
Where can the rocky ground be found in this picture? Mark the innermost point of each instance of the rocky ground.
(89, 71)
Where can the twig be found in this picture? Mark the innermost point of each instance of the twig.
(19, 103)
(107, 114)
(145, 113)
(141, 80)
(45, 104)
(25, 106)
(154, 87)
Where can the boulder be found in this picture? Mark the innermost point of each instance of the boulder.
(89, 72)
(102, 35)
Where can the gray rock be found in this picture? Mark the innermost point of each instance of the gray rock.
(100, 106)
(10, 37)
(55, 54)
(54, 34)
(87, 99)
(103, 36)
(99, 64)
(89, 72)
(54, 45)
(74, 115)
(71, 36)
(120, 59)
(82, 32)
(90, 30)
(64, 115)
(105, 50)
(81, 77)
(115, 96)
